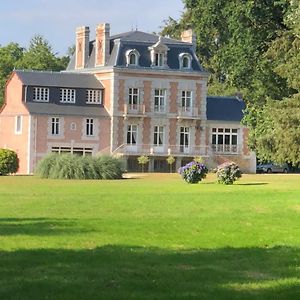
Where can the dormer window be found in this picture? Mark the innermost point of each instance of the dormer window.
(132, 57)
(159, 59)
(185, 61)
(158, 53)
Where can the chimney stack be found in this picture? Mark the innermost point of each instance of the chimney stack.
(188, 36)
(102, 44)
(82, 46)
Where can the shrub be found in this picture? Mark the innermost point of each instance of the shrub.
(69, 166)
(143, 160)
(228, 173)
(9, 162)
(170, 160)
(193, 172)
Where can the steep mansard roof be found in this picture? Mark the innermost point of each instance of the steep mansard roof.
(59, 79)
(224, 108)
(140, 41)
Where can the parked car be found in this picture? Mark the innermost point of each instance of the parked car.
(272, 168)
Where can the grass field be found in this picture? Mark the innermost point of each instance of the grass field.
(150, 238)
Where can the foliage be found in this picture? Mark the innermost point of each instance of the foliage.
(170, 160)
(198, 159)
(228, 173)
(68, 166)
(39, 56)
(143, 160)
(232, 38)
(193, 172)
(9, 162)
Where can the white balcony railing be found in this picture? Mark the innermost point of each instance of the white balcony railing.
(134, 109)
(188, 112)
(225, 149)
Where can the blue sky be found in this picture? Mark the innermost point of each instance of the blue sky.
(56, 20)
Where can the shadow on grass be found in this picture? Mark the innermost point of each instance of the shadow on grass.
(124, 272)
(38, 226)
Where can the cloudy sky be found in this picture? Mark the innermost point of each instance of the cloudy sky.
(56, 20)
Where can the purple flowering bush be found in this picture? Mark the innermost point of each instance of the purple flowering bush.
(193, 172)
(228, 173)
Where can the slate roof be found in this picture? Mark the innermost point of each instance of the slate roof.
(140, 41)
(70, 110)
(61, 79)
(224, 108)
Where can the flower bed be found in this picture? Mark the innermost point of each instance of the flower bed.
(228, 173)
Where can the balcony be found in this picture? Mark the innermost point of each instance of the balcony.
(134, 110)
(187, 112)
(225, 149)
(163, 150)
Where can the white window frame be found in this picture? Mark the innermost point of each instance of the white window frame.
(94, 96)
(225, 139)
(184, 139)
(159, 59)
(67, 95)
(72, 150)
(158, 136)
(55, 126)
(186, 100)
(130, 53)
(132, 135)
(40, 94)
(89, 127)
(160, 100)
(133, 98)
(18, 124)
(183, 56)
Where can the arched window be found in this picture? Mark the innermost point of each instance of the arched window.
(132, 57)
(185, 61)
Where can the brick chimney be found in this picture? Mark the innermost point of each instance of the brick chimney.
(102, 44)
(188, 36)
(82, 46)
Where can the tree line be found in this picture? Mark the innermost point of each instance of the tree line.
(252, 47)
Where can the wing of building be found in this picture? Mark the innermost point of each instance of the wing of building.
(130, 94)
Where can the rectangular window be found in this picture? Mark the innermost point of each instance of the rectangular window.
(159, 59)
(133, 98)
(94, 96)
(186, 100)
(18, 124)
(55, 130)
(224, 140)
(158, 136)
(89, 127)
(40, 94)
(67, 95)
(184, 138)
(159, 100)
(132, 134)
(78, 151)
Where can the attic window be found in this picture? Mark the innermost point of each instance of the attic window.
(159, 59)
(185, 61)
(132, 57)
(158, 53)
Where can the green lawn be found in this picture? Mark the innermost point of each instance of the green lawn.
(150, 238)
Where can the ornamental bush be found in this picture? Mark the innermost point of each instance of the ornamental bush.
(69, 166)
(228, 173)
(193, 172)
(9, 162)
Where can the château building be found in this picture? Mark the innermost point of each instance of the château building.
(129, 94)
